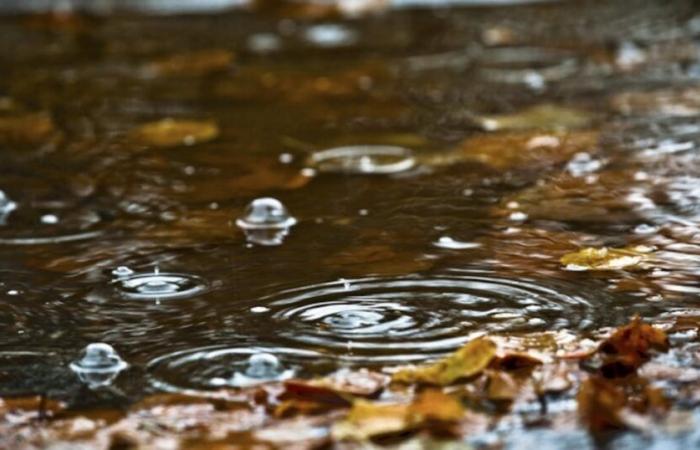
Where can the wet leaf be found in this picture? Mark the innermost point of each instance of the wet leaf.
(176, 132)
(526, 150)
(605, 258)
(432, 409)
(543, 117)
(29, 129)
(466, 362)
(501, 386)
(600, 404)
(197, 63)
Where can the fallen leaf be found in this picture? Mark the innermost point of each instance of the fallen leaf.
(545, 117)
(30, 129)
(175, 132)
(600, 404)
(526, 149)
(432, 410)
(466, 362)
(501, 386)
(605, 258)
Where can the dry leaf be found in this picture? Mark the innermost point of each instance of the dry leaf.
(466, 362)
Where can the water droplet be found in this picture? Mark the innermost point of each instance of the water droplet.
(99, 365)
(583, 164)
(518, 216)
(158, 286)
(259, 309)
(266, 221)
(364, 159)
(451, 244)
(6, 208)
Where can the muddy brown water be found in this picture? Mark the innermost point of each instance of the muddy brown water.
(380, 268)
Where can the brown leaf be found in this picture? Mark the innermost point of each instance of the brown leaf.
(501, 386)
(466, 362)
(629, 347)
(600, 404)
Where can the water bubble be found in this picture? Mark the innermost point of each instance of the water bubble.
(6, 208)
(364, 159)
(452, 244)
(156, 285)
(49, 219)
(266, 221)
(190, 371)
(98, 365)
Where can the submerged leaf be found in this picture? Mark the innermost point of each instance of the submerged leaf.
(605, 258)
(545, 116)
(195, 63)
(466, 362)
(176, 132)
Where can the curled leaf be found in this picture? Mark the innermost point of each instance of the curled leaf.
(466, 362)
(605, 258)
(175, 132)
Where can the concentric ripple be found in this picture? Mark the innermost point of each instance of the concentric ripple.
(160, 286)
(195, 370)
(376, 320)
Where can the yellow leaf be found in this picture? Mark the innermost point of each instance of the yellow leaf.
(466, 362)
(545, 116)
(175, 132)
(605, 258)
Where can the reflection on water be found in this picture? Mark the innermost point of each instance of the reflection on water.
(434, 167)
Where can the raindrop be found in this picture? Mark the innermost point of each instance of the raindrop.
(364, 159)
(98, 365)
(6, 208)
(266, 221)
(157, 285)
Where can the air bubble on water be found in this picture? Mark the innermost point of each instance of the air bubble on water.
(261, 367)
(286, 158)
(49, 219)
(6, 207)
(122, 272)
(518, 216)
(645, 229)
(452, 244)
(98, 365)
(266, 221)
(259, 309)
(13, 292)
(364, 159)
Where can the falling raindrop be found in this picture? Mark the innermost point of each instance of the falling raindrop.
(364, 159)
(122, 272)
(266, 221)
(6, 208)
(98, 365)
